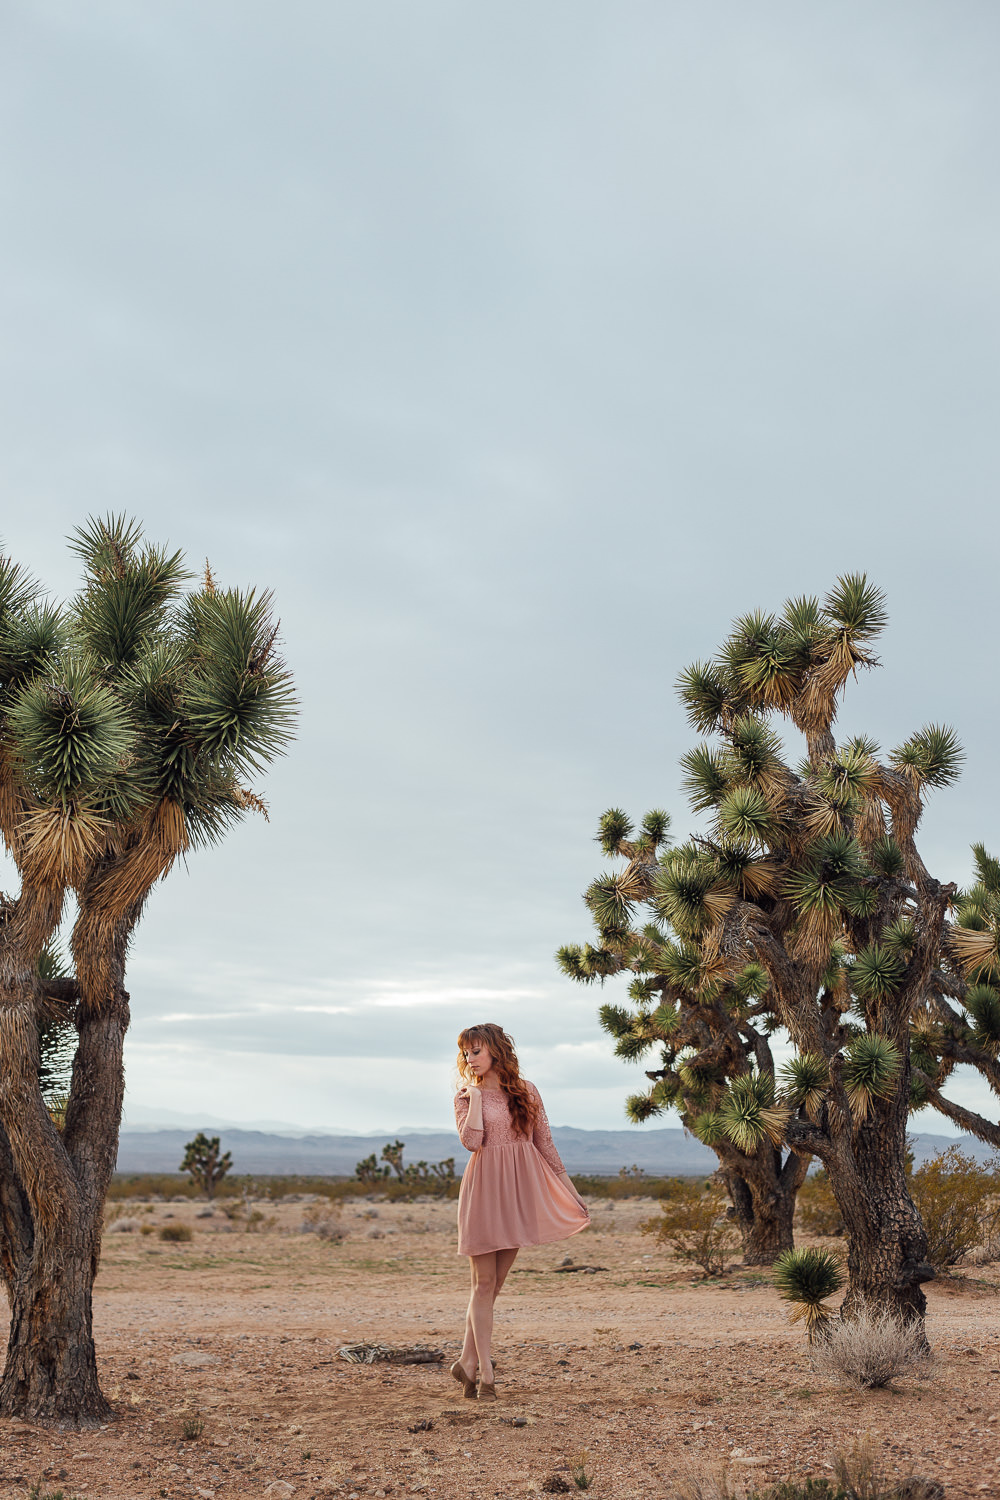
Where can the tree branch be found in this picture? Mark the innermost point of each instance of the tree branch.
(805, 1137)
(975, 1124)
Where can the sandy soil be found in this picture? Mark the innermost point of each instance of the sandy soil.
(650, 1372)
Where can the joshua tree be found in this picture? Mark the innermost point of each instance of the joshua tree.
(706, 1041)
(960, 1019)
(205, 1160)
(129, 721)
(813, 874)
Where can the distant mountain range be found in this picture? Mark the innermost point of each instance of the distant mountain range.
(598, 1152)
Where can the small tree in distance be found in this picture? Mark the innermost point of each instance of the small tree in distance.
(207, 1165)
(424, 1177)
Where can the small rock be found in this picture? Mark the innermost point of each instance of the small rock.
(279, 1489)
(205, 1494)
(195, 1359)
(567, 1262)
(519, 1421)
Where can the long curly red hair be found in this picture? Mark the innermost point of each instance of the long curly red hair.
(520, 1099)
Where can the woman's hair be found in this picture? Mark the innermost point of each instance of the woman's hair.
(522, 1103)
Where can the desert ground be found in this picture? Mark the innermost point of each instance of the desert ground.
(221, 1358)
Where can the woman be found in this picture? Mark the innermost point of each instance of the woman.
(515, 1190)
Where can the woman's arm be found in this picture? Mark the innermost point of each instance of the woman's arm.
(546, 1146)
(469, 1118)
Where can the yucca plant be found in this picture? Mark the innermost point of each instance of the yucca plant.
(131, 720)
(807, 875)
(806, 1278)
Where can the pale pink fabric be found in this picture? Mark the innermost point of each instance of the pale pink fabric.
(511, 1193)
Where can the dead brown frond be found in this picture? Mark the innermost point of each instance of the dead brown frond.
(244, 797)
(821, 818)
(898, 791)
(762, 878)
(813, 937)
(121, 883)
(57, 844)
(718, 900)
(716, 967)
(168, 827)
(973, 950)
(870, 824)
(12, 806)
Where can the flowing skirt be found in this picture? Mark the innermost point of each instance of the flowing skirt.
(510, 1197)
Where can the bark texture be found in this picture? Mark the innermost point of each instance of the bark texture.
(53, 1183)
(764, 1202)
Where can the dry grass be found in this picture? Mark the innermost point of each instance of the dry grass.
(124, 1225)
(858, 1475)
(870, 1350)
(176, 1233)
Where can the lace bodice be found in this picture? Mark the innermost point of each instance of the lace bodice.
(498, 1127)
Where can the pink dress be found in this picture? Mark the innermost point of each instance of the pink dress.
(511, 1193)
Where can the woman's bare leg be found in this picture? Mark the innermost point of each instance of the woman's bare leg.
(497, 1272)
(467, 1358)
(505, 1259)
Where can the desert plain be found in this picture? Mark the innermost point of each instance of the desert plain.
(221, 1359)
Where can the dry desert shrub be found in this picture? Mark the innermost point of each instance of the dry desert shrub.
(693, 1223)
(322, 1220)
(123, 1225)
(959, 1202)
(176, 1234)
(870, 1350)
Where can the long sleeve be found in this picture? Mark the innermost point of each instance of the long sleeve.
(471, 1139)
(542, 1136)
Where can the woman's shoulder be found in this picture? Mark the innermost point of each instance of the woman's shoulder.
(532, 1090)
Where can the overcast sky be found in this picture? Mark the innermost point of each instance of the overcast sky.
(517, 347)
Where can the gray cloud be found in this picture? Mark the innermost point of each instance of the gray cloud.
(517, 349)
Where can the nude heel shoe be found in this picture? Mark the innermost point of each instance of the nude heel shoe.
(468, 1385)
(486, 1392)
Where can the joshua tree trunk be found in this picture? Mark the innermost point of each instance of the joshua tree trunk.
(53, 1244)
(52, 1190)
(886, 1240)
(763, 1193)
(51, 1369)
